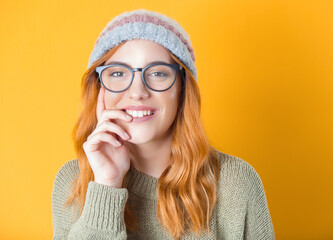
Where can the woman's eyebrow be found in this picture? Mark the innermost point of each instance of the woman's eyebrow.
(123, 63)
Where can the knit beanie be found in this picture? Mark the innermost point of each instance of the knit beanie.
(143, 24)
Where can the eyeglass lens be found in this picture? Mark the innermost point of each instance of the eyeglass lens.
(157, 77)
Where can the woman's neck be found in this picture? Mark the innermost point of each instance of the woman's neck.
(151, 158)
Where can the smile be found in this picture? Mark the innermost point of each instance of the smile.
(143, 113)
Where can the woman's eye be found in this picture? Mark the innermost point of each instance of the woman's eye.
(117, 74)
(159, 74)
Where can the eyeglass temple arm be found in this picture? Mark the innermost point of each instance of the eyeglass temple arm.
(182, 70)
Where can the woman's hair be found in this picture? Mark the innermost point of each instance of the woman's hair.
(187, 187)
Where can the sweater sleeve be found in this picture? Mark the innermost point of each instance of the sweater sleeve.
(102, 216)
(258, 222)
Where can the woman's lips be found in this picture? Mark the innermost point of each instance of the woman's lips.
(144, 118)
(138, 108)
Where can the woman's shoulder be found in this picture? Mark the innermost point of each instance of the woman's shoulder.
(65, 176)
(241, 199)
(62, 190)
(234, 171)
(68, 170)
(231, 162)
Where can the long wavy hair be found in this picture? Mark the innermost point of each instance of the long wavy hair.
(187, 187)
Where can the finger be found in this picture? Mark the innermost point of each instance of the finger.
(111, 127)
(100, 103)
(114, 114)
(99, 137)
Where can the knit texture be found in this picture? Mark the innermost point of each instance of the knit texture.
(241, 211)
(148, 25)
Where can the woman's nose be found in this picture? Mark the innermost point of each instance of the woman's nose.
(138, 89)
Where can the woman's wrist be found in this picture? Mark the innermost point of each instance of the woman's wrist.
(115, 184)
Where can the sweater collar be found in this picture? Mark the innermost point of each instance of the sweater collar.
(141, 183)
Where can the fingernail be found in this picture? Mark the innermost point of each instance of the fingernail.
(126, 135)
(118, 143)
(129, 117)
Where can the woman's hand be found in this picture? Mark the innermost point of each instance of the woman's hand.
(106, 147)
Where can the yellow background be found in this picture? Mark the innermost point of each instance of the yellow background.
(266, 77)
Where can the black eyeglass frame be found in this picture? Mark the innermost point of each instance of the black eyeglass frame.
(100, 69)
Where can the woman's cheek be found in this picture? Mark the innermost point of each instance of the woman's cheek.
(174, 99)
(111, 100)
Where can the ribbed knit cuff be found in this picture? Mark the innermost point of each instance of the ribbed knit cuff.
(104, 207)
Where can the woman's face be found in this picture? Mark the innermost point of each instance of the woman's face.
(138, 54)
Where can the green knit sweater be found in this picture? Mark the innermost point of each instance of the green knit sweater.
(241, 211)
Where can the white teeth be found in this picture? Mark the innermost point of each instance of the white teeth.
(139, 113)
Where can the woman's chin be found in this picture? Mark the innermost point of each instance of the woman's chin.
(140, 134)
(137, 140)
(138, 137)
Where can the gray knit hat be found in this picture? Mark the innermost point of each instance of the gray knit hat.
(143, 24)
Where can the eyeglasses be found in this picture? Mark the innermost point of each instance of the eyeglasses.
(158, 77)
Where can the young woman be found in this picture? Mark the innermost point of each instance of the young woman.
(145, 169)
